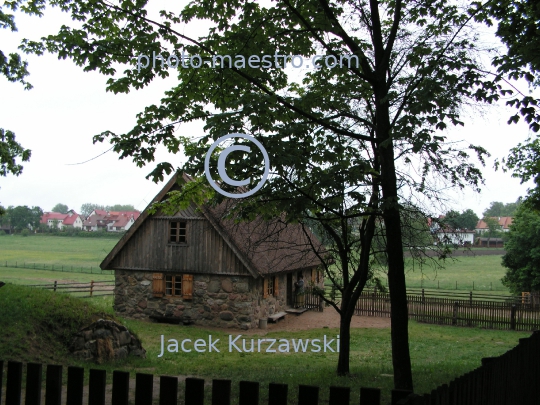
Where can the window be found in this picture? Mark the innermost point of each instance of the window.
(177, 232)
(270, 287)
(173, 285)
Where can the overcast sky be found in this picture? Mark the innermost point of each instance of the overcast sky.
(59, 116)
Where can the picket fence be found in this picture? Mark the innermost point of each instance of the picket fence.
(168, 389)
(512, 378)
(489, 314)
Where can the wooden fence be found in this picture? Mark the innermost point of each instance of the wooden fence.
(512, 378)
(58, 267)
(512, 314)
(143, 394)
(93, 288)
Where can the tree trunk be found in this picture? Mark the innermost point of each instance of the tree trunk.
(401, 360)
(345, 341)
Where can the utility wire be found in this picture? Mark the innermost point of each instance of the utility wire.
(86, 161)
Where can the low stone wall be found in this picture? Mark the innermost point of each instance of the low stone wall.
(219, 301)
(105, 340)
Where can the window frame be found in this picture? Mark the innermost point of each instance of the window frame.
(181, 285)
(177, 235)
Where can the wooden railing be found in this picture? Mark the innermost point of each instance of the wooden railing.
(193, 392)
(93, 288)
(512, 378)
(466, 311)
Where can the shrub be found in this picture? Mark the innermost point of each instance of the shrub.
(25, 232)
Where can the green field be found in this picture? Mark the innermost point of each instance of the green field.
(35, 322)
(485, 271)
(54, 250)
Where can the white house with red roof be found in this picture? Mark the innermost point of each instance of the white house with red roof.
(503, 222)
(61, 221)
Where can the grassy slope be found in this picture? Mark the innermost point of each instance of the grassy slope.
(36, 325)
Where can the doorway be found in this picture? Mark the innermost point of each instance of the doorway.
(290, 299)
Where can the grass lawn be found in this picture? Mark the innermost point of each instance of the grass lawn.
(485, 271)
(57, 250)
(34, 323)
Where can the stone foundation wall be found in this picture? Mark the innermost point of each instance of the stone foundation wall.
(219, 301)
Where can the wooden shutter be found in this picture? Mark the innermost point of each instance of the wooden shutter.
(157, 284)
(265, 288)
(313, 275)
(187, 286)
(276, 286)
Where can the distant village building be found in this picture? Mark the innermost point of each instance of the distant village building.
(61, 221)
(200, 267)
(113, 221)
(503, 224)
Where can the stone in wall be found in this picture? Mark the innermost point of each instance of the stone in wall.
(105, 340)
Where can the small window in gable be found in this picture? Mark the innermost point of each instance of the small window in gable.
(177, 232)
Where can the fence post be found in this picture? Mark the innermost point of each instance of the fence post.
(96, 387)
(75, 380)
(340, 396)
(120, 388)
(144, 389)
(470, 296)
(277, 394)
(33, 383)
(454, 313)
(249, 393)
(194, 393)
(308, 395)
(55, 284)
(14, 383)
(91, 287)
(370, 396)
(513, 317)
(221, 392)
(53, 385)
(423, 297)
(168, 390)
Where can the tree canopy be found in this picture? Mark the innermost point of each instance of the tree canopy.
(14, 69)
(87, 208)
(499, 209)
(522, 258)
(518, 23)
(467, 219)
(61, 208)
(23, 217)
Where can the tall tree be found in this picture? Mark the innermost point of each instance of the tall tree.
(61, 208)
(464, 220)
(88, 208)
(120, 207)
(522, 258)
(499, 209)
(409, 67)
(23, 217)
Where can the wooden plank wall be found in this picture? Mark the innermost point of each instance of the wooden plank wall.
(205, 251)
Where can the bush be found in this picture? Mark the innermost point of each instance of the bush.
(25, 232)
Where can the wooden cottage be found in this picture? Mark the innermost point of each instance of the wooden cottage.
(198, 266)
